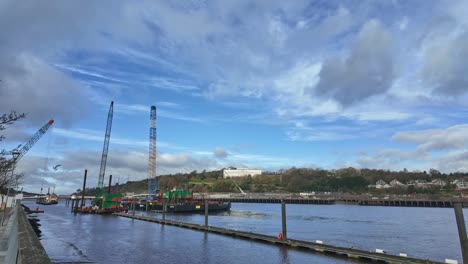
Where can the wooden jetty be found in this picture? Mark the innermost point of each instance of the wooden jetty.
(324, 201)
(441, 202)
(317, 246)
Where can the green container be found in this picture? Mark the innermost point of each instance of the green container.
(111, 200)
(178, 195)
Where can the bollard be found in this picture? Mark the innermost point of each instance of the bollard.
(458, 206)
(283, 219)
(84, 188)
(164, 209)
(206, 212)
(76, 204)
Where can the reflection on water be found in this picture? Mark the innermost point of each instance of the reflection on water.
(421, 232)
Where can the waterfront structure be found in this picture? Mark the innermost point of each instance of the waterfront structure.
(240, 172)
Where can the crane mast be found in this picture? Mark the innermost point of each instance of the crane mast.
(152, 180)
(18, 154)
(105, 148)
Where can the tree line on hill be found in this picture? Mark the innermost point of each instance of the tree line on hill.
(346, 180)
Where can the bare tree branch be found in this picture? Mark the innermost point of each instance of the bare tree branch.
(7, 175)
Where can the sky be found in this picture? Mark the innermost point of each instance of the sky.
(257, 84)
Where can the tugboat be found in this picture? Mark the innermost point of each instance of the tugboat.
(179, 201)
(48, 199)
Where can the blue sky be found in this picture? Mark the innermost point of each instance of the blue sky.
(261, 84)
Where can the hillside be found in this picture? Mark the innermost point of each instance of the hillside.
(348, 180)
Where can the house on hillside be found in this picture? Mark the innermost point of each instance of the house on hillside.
(418, 183)
(438, 182)
(411, 183)
(381, 184)
(460, 184)
(395, 183)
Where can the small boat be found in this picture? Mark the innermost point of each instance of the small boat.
(48, 199)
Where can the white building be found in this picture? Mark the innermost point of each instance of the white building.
(240, 172)
(438, 182)
(381, 184)
(396, 183)
(460, 184)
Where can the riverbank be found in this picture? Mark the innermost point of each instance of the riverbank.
(20, 243)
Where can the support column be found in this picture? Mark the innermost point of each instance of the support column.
(84, 189)
(458, 206)
(206, 213)
(110, 184)
(283, 220)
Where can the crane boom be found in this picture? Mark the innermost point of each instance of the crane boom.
(105, 148)
(18, 154)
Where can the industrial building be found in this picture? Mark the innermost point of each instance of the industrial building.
(240, 172)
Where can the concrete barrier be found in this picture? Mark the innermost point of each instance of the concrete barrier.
(30, 249)
(23, 245)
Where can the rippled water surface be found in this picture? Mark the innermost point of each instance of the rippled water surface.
(420, 232)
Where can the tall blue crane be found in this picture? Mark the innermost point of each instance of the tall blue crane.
(152, 180)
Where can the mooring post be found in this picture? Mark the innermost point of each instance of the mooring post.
(283, 219)
(110, 184)
(76, 204)
(83, 203)
(206, 213)
(458, 206)
(164, 209)
(72, 205)
(133, 204)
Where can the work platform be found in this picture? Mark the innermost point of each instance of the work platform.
(300, 244)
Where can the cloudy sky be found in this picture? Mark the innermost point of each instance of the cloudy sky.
(261, 84)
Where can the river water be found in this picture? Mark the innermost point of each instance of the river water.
(420, 232)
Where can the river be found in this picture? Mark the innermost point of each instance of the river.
(420, 232)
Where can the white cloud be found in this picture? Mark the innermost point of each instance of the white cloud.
(454, 137)
(138, 108)
(121, 164)
(442, 148)
(403, 23)
(220, 153)
(367, 71)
